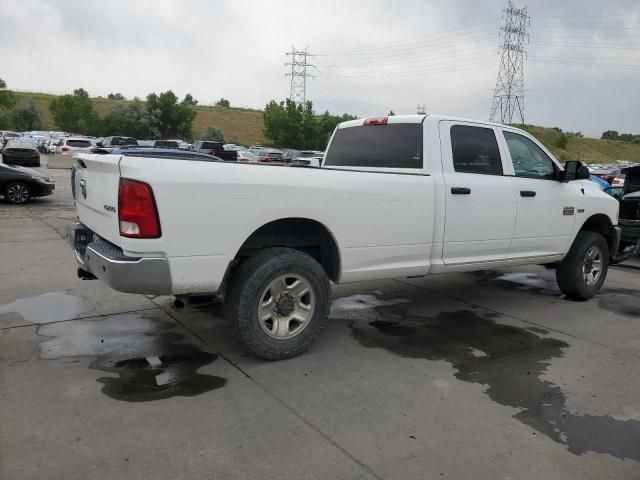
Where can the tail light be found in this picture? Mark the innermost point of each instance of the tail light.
(137, 211)
(65, 149)
(376, 121)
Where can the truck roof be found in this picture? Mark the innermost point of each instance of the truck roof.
(417, 119)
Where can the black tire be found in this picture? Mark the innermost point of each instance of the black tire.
(570, 274)
(17, 193)
(245, 290)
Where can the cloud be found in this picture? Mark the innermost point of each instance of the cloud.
(376, 55)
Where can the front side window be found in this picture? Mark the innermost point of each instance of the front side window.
(528, 159)
(475, 150)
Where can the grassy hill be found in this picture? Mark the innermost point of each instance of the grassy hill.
(239, 125)
(591, 150)
(244, 127)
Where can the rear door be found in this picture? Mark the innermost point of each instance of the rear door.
(479, 197)
(546, 207)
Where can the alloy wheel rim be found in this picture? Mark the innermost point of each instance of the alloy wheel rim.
(286, 306)
(18, 193)
(592, 266)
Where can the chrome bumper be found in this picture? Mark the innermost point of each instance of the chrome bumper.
(97, 257)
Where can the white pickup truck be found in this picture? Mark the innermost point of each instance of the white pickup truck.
(394, 197)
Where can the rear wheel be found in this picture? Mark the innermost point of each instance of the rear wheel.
(583, 271)
(277, 303)
(17, 193)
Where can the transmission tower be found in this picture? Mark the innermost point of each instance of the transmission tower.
(508, 97)
(298, 92)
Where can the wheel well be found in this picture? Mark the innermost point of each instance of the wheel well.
(601, 224)
(308, 236)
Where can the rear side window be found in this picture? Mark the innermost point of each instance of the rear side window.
(395, 145)
(475, 150)
(119, 141)
(208, 145)
(79, 143)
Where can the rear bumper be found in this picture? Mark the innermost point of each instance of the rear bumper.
(107, 262)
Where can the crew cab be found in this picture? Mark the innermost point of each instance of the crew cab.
(395, 196)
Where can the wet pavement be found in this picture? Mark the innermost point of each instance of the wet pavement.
(486, 375)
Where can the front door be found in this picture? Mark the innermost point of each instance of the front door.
(480, 201)
(546, 207)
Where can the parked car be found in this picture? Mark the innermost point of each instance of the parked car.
(608, 174)
(618, 180)
(270, 156)
(70, 145)
(21, 152)
(19, 185)
(629, 216)
(246, 156)
(396, 196)
(216, 149)
(117, 142)
(6, 136)
(166, 144)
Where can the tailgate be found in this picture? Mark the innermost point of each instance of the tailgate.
(95, 188)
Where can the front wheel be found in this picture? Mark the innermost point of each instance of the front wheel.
(277, 303)
(17, 193)
(583, 271)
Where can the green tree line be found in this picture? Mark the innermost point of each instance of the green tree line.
(293, 125)
(621, 137)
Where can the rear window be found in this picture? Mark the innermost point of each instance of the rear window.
(396, 145)
(475, 150)
(166, 143)
(79, 143)
(211, 145)
(120, 141)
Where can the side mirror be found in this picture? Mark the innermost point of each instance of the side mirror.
(575, 170)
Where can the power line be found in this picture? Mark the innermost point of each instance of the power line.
(508, 96)
(299, 64)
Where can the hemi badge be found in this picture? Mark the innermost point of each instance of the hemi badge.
(581, 210)
(568, 211)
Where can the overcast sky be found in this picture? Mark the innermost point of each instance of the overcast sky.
(582, 71)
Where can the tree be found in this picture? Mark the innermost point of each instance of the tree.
(610, 135)
(289, 124)
(176, 118)
(391, 113)
(188, 98)
(116, 96)
(132, 119)
(224, 103)
(212, 134)
(74, 113)
(26, 117)
(7, 101)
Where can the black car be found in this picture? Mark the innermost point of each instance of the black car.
(19, 185)
(21, 152)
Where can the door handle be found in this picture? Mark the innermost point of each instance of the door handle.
(527, 193)
(460, 190)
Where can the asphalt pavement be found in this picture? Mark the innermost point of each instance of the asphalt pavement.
(486, 375)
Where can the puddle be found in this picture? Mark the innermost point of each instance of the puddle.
(621, 301)
(528, 282)
(509, 361)
(48, 307)
(149, 357)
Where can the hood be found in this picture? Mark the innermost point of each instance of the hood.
(26, 171)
